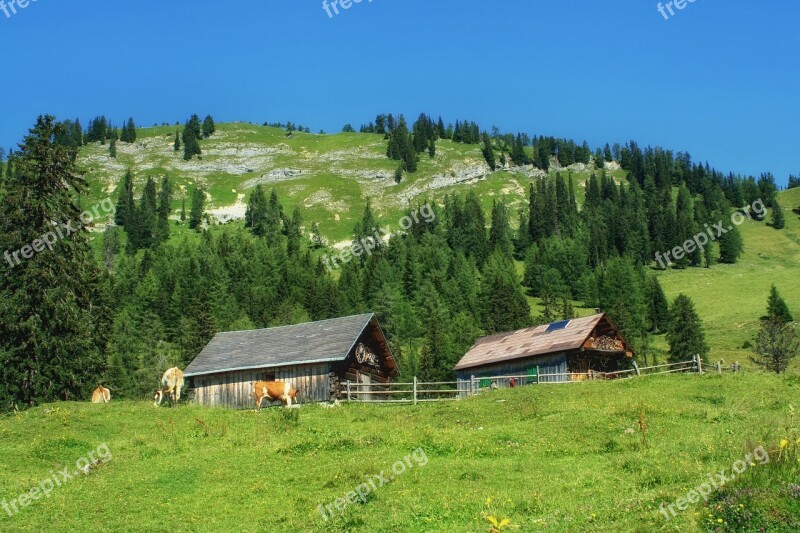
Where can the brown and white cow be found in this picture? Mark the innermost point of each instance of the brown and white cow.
(171, 384)
(274, 390)
(101, 395)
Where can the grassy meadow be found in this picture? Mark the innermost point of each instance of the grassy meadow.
(548, 458)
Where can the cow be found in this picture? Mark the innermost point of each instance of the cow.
(171, 384)
(274, 390)
(101, 395)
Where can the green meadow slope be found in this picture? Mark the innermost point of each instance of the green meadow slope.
(547, 457)
(330, 177)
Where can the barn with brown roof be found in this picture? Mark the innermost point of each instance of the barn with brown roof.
(560, 351)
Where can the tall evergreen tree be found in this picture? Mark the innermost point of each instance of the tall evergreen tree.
(685, 335)
(502, 304)
(55, 312)
(209, 128)
(164, 209)
(124, 200)
(198, 206)
(255, 216)
(778, 219)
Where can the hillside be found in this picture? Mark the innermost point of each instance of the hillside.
(572, 458)
(330, 176)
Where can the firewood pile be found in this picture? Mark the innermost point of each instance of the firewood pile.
(606, 343)
(335, 388)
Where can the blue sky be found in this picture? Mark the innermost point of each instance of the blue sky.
(719, 79)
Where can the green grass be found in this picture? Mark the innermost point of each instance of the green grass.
(554, 458)
(732, 298)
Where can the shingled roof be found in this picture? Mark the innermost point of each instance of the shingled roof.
(313, 342)
(531, 342)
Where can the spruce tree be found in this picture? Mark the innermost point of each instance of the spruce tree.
(777, 308)
(198, 206)
(503, 306)
(776, 345)
(164, 209)
(731, 245)
(112, 148)
(209, 128)
(177, 145)
(255, 217)
(778, 219)
(488, 151)
(685, 334)
(124, 200)
(191, 138)
(55, 314)
(658, 306)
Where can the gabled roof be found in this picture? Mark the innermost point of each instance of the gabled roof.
(313, 342)
(533, 341)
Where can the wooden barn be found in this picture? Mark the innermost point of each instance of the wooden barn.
(315, 357)
(547, 353)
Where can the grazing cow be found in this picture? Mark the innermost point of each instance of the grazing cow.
(274, 390)
(171, 384)
(101, 395)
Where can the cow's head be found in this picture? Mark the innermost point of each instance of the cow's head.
(157, 397)
(293, 394)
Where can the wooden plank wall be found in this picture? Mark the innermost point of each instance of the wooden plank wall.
(551, 364)
(234, 389)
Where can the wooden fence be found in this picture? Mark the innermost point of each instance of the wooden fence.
(435, 391)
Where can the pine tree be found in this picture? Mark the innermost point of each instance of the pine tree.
(500, 230)
(255, 216)
(778, 219)
(209, 128)
(658, 307)
(164, 209)
(777, 308)
(124, 200)
(488, 152)
(112, 148)
(177, 145)
(502, 304)
(196, 211)
(776, 345)
(685, 334)
(731, 245)
(431, 148)
(191, 137)
(55, 314)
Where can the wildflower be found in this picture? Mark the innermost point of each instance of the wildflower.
(784, 443)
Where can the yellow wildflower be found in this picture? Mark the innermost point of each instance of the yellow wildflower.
(784, 443)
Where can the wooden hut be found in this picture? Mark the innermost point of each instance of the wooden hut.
(315, 357)
(560, 351)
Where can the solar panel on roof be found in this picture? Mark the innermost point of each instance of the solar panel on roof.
(555, 326)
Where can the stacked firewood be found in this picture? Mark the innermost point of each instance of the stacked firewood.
(606, 343)
(335, 387)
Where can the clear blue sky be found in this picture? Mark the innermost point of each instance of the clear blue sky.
(719, 79)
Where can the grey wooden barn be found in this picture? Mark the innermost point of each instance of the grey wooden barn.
(315, 357)
(560, 351)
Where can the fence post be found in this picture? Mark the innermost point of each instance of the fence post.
(348, 390)
(699, 364)
(636, 367)
(472, 388)
(415, 390)
(719, 367)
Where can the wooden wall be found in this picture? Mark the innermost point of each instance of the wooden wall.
(234, 389)
(550, 364)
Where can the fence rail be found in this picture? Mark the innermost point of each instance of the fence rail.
(418, 391)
